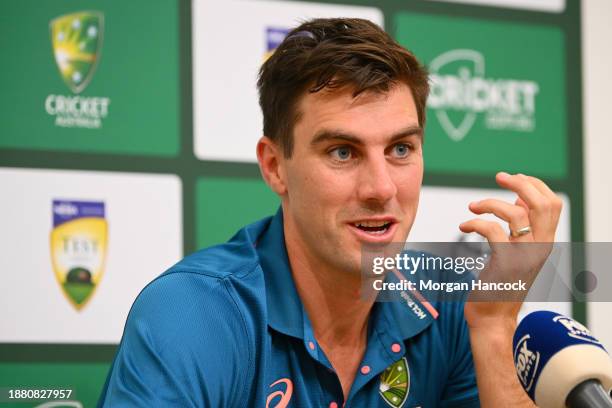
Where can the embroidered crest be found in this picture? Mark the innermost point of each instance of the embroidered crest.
(395, 383)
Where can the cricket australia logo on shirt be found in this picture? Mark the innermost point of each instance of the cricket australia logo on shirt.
(76, 40)
(461, 92)
(78, 248)
(395, 383)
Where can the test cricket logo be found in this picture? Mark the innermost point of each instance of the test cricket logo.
(395, 383)
(76, 41)
(461, 93)
(78, 248)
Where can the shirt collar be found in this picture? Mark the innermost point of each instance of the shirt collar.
(401, 318)
(285, 309)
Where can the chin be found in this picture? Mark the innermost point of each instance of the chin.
(400, 237)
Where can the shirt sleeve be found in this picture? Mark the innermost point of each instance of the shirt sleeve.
(460, 390)
(184, 344)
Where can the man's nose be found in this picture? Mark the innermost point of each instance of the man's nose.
(375, 182)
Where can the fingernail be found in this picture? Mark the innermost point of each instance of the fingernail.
(503, 175)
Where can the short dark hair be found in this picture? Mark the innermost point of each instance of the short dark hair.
(333, 53)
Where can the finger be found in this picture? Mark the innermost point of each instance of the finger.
(541, 186)
(555, 200)
(516, 216)
(541, 215)
(521, 185)
(548, 214)
(491, 230)
(519, 201)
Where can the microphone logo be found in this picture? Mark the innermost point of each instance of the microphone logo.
(526, 362)
(575, 329)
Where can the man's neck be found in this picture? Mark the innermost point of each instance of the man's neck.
(332, 301)
(331, 297)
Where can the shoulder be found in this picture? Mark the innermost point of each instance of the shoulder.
(235, 258)
(199, 294)
(184, 300)
(189, 336)
(213, 290)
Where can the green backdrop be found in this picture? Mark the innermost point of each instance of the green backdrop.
(146, 73)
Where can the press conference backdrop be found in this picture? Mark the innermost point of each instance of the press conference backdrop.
(127, 136)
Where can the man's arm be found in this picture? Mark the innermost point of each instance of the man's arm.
(498, 384)
(492, 322)
(184, 344)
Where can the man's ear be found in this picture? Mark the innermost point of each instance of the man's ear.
(271, 164)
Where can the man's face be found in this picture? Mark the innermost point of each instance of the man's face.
(354, 176)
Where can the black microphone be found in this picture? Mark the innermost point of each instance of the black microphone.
(560, 364)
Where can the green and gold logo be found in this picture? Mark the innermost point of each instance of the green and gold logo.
(77, 40)
(78, 248)
(395, 383)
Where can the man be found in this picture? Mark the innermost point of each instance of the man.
(274, 318)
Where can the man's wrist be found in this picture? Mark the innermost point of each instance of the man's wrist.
(491, 343)
(494, 327)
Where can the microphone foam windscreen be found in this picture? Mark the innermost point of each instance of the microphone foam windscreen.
(554, 353)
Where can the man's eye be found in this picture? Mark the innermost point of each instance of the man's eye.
(401, 150)
(341, 153)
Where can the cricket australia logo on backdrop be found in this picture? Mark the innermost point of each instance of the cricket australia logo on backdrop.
(461, 93)
(76, 41)
(395, 383)
(78, 247)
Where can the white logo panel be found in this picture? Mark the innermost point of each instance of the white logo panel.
(144, 218)
(442, 209)
(230, 42)
(553, 6)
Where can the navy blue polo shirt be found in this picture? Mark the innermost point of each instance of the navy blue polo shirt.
(225, 327)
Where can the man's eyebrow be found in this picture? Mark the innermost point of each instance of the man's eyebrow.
(325, 135)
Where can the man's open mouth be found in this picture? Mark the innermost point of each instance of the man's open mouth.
(373, 227)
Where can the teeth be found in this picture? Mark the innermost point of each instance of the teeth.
(380, 232)
(372, 224)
